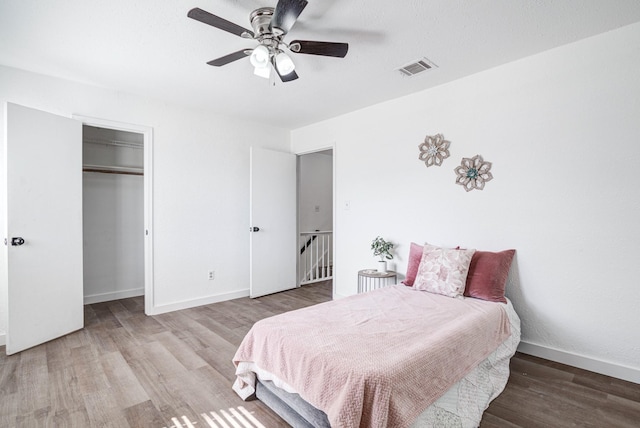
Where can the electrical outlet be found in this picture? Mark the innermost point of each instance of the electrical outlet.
(212, 274)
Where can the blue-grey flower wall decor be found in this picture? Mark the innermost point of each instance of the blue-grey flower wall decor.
(473, 173)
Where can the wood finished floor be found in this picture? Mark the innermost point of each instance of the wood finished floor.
(125, 369)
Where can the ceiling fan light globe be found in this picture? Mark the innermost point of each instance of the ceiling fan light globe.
(264, 72)
(260, 57)
(284, 64)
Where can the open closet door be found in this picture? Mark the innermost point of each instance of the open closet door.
(44, 226)
(273, 222)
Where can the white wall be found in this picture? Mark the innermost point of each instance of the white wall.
(201, 183)
(561, 129)
(315, 189)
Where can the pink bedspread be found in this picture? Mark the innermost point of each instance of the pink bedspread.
(376, 359)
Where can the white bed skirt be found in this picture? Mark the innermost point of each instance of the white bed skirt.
(464, 403)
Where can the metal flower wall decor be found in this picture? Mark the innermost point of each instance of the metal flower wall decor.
(434, 150)
(473, 173)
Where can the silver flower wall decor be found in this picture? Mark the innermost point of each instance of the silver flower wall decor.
(473, 173)
(434, 150)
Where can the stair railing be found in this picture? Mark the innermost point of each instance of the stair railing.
(316, 256)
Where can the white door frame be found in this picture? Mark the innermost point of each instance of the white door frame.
(147, 132)
(331, 147)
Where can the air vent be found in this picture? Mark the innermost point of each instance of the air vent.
(416, 67)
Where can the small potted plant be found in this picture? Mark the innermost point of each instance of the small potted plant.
(382, 249)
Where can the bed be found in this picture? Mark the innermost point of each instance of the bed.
(395, 356)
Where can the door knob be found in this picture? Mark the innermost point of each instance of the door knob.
(17, 241)
(254, 229)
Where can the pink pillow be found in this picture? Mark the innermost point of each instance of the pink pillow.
(415, 255)
(443, 270)
(487, 276)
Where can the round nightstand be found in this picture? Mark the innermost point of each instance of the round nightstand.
(370, 279)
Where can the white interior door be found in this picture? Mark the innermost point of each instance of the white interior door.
(44, 208)
(273, 213)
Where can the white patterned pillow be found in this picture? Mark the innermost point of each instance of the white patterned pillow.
(443, 270)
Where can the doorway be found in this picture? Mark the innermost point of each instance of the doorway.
(291, 209)
(315, 217)
(123, 153)
(113, 214)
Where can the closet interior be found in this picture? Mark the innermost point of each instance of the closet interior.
(113, 214)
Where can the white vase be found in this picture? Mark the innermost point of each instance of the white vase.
(382, 266)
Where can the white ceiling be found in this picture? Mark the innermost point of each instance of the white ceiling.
(151, 48)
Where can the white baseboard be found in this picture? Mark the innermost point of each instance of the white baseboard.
(3, 339)
(115, 295)
(610, 369)
(186, 304)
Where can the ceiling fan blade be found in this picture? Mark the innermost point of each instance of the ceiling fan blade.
(285, 78)
(286, 14)
(289, 77)
(215, 21)
(310, 47)
(224, 60)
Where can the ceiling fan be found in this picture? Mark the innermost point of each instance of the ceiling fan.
(270, 25)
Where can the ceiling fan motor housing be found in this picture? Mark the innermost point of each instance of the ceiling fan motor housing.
(260, 20)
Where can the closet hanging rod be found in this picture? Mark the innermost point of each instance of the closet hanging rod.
(113, 170)
(118, 143)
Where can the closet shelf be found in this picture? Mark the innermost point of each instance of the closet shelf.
(113, 169)
(118, 143)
